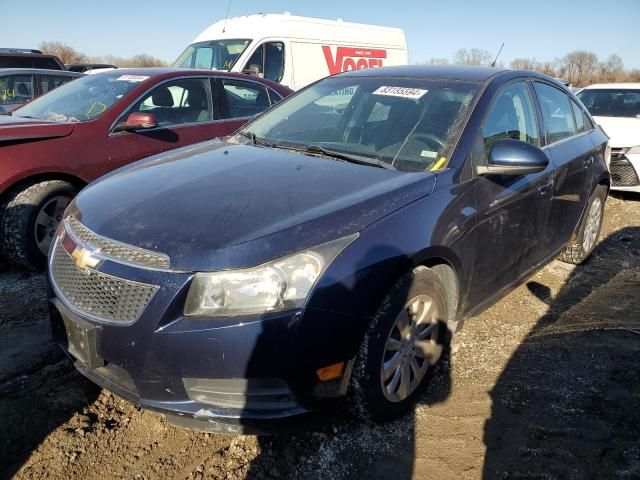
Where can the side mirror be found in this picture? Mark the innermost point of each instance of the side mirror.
(137, 121)
(514, 157)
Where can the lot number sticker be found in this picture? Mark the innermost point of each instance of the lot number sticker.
(132, 78)
(403, 92)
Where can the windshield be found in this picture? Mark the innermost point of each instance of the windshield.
(611, 102)
(213, 55)
(81, 100)
(411, 124)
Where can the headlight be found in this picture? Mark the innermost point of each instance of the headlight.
(634, 150)
(280, 284)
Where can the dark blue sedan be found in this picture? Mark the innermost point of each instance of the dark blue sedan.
(328, 249)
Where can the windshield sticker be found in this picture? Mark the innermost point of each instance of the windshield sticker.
(403, 92)
(132, 78)
(439, 164)
(428, 154)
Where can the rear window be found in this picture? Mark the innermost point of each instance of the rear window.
(611, 102)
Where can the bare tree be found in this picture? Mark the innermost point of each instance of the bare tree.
(580, 66)
(633, 75)
(611, 70)
(64, 52)
(70, 55)
(525, 64)
(475, 56)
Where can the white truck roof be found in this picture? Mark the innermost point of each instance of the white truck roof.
(266, 25)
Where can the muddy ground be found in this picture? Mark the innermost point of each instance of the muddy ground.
(545, 384)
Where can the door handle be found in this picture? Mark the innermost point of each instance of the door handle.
(544, 190)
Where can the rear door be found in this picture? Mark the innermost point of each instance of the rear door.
(185, 111)
(240, 101)
(572, 153)
(512, 210)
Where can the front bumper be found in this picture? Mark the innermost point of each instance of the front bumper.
(233, 375)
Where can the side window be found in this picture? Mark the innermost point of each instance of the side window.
(49, 82)
(556, 112)
(178, 102)
(16, 89)
(244, 99)
(267, 61)
(511, 115)
(579, 117)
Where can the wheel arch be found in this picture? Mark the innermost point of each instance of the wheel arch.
(41, 177)
(446, 265)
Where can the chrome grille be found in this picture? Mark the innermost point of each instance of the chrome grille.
(116, 250)
(101, 296)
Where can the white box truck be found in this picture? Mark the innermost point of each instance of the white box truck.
(293, 50)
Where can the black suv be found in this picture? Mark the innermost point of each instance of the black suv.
(28, 58)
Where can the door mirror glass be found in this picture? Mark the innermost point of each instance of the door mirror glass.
(514, 157)
(137, 121)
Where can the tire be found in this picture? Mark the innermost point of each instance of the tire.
(22, 230)
(584, 241)
(368, 399)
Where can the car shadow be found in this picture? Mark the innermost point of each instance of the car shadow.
(338, 444)
(566, 404)
(39, 387)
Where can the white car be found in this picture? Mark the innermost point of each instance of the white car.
(616, 108)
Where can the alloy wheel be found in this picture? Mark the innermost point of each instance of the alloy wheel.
(411, 349)
(47, 221)
(592, 228)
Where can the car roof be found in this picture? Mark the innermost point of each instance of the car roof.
(614, 86)
(168, 72)
(444, 72)
(44, 71)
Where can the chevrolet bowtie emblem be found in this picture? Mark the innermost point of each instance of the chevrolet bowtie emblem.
(84, 258)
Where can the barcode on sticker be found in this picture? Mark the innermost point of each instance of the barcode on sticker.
(428, 154)
(403, 92)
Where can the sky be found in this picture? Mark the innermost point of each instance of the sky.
(543, 29)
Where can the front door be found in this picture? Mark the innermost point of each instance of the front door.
(185, 114)
(512, 210)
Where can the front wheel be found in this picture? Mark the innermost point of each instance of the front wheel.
(404, 341)
(29, 221)
(584, 241)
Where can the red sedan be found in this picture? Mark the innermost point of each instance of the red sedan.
(53, 146)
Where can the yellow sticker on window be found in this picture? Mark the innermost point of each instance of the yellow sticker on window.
(439, 164)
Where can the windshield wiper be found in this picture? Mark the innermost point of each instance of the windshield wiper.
(360, 160)
(255, 140)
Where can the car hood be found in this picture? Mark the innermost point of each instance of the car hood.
(20, 128)
(622, 131)
(215, 206)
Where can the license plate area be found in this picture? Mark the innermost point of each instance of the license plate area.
(81, 340)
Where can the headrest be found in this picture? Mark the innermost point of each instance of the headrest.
(162, 97)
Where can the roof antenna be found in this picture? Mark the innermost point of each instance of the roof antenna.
(495, 59)
(226, 16)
